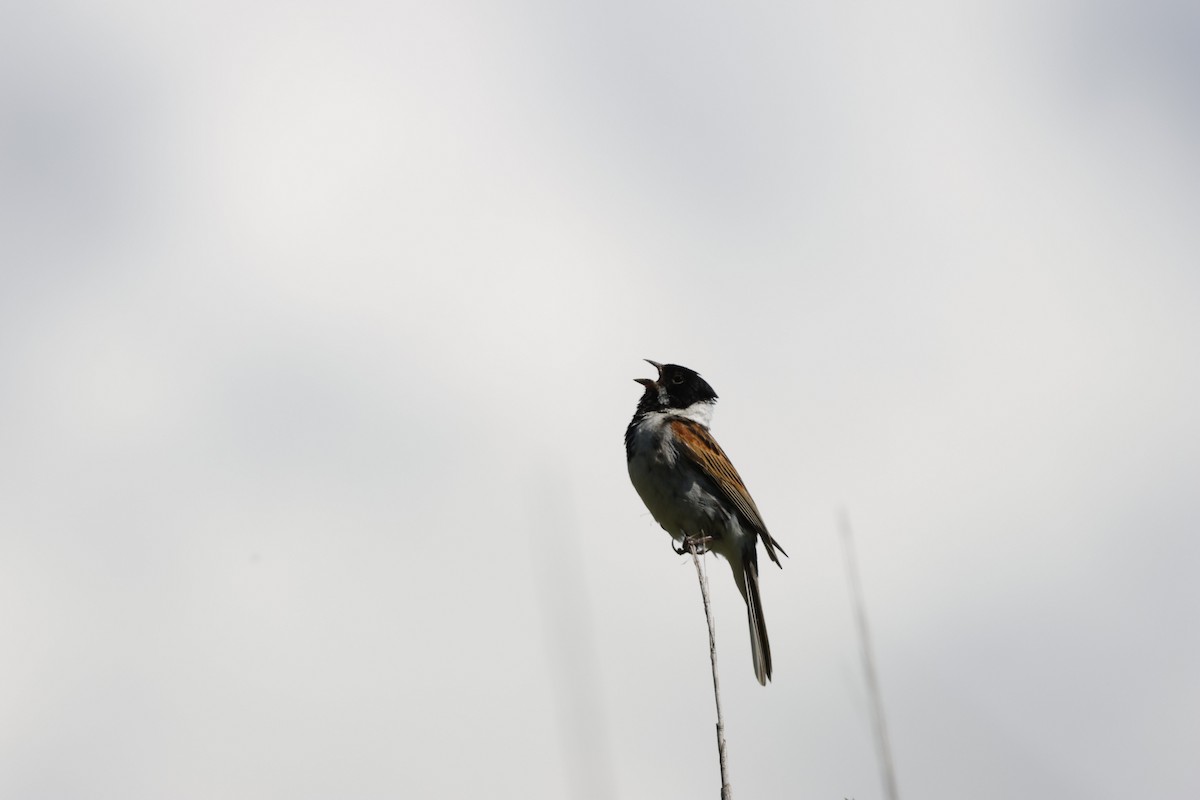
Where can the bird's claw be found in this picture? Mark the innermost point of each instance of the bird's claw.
(697, 544)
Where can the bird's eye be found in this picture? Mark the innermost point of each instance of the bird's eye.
(677, 379)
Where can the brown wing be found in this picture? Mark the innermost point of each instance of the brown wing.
(699, 447)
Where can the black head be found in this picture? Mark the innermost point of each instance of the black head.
(676, 387)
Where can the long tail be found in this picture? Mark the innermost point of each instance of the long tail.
(760, 645)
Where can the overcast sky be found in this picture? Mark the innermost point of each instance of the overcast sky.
(317, 329)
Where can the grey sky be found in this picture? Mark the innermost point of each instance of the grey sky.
(317, 330)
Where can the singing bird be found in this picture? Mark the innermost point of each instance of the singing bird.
(692, 489)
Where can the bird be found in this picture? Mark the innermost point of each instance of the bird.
(693, 491)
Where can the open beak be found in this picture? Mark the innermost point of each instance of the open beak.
(650, 382)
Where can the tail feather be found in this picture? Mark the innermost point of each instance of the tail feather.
(770, 545)
(760, 645)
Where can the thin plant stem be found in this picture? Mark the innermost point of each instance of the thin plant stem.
(882, 745)
(702, 575)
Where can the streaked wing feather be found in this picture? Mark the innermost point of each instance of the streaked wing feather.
(702, 450)
(699, 447)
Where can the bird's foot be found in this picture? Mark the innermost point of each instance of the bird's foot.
(697, 544)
